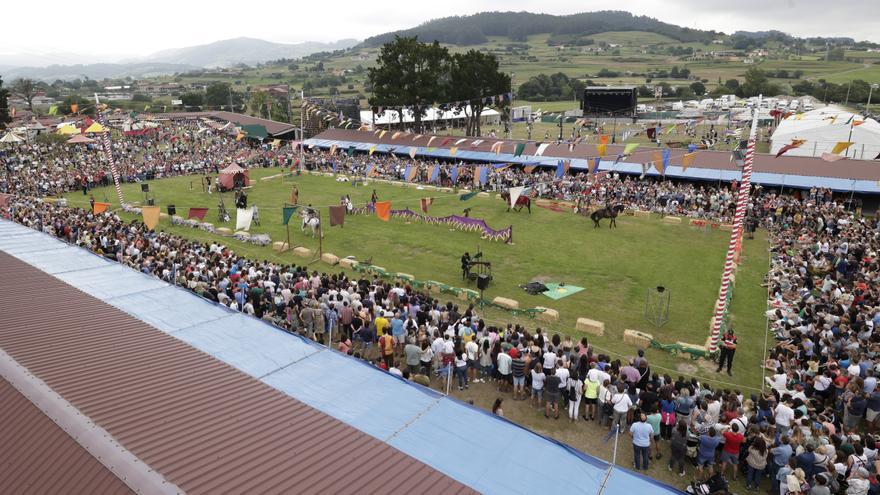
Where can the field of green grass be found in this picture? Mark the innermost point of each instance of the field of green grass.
(616, 266)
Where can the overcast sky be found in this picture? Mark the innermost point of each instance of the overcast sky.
(115, 28)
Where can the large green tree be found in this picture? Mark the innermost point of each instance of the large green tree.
(25, 89)
(4, 106)
(220, 95)
(473, 78)
(409, 74)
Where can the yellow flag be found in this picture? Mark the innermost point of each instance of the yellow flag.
(151, 216)
(332, 149)
(373, 149)
(600, 148)
(840, 146)
(453, 151)
(686, 160)
(382, 134)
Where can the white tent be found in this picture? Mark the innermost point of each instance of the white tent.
(824, 128)
(11, 138)
(390, 116)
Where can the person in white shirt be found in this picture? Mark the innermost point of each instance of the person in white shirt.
(620, 403)
(784, 416)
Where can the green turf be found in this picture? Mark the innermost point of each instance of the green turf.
(616, 266)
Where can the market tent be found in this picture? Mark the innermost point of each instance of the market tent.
(95, 127)
(255, 131)
(234, 176)
(80, 139)
(11, 138)
(823, 128)
(67, 130)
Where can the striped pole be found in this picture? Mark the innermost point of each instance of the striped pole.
(108, 151)
(736, 234)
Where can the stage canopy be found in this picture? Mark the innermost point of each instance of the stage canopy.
(234, 175)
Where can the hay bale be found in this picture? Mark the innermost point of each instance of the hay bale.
(330, 258)
(549, 314)
(639, 339)
(279, 246)
(348, 263)
(591, 326)
(505, 302)
(303, 252)
(162, 215)
(641, 213)
(433, 286)
(378, 268)
(223, 231)
(242, 233)
(672, 220)
(446, 189)
(726, 227)
(483, 195)
(405, 276)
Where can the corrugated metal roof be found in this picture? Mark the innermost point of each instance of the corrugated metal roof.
(38, 457)
(200, 423)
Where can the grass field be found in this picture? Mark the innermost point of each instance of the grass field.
(616, 266)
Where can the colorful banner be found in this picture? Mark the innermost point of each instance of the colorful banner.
(686, 161)
(351, 150)
(100, 207)
(435, 173)
(426, 202)
(541, 148)
(830, 157)
(595, 167)
(520, 147)
(467, 196)
(841, 146)
(412, 151)
(197, 213)
(515, 193)
(629, 148)
(601, 149)
(150, 215)
(795, 143)
(453, 151)
(483, 175)
(383, 210)
(286, 213)
(333, 149)
(243, 218)
(337, 215)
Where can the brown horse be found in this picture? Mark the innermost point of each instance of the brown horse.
(521, 201)
(607, 212)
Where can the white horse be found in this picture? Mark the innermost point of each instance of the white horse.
(309, 219)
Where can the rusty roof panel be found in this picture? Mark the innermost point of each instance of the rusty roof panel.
(39, 457)
(202, 424)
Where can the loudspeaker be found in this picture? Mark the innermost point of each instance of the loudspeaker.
(151, 202)
(145, 187)
(172, 210)
(483, 281)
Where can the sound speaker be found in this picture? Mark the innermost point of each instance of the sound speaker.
(145, 187)
(172, 210)
(151, 202)
(483, 281)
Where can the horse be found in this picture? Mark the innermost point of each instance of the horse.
(521, 201)
(309, 219)
(607, 212)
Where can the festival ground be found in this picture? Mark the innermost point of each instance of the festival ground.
(616, 266)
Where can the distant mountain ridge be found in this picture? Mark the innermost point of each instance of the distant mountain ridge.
(475, 29)
(95, 71)
(234, 51)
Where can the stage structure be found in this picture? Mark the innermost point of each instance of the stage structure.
(609, 101)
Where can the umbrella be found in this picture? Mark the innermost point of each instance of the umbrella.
(630, 374)
(11, 138)
(80, 139)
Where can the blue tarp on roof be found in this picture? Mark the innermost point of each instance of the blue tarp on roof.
(672, 172)
(437, 430)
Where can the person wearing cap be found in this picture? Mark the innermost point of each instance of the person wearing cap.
(728, 348)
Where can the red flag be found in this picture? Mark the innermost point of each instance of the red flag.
(337, 215)
(197, 213)
(426, 202)
(795, 143)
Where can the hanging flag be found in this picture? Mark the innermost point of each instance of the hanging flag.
(337, 215)
(484, 175)
(74, 108)
(146, 107)
(197, 213)
(435, 173)
(841, 146)
(520, 147)
(243, 218)
(645, 169)
(686, 161)
(601, 149)
(396, 135)
(426, 202)
(603, 139)
(830, 157)
(497, 147)
(658, 164)
(333, 149)
(467, 196)
(858, 123)
(460, 141)
(560, 169)
(383, 210)
(595, 167)
(100, 207)
(651, 132)
(417, 136)
(692, 147)
(739, 157)
(795, 143)
(667, 153)
(445, 142)
(372, 150)
(287, 212)
(53, 110)
(476, 143)
(151, 216)
(529, 168)
(454, 174)
(430, 140)
(541, 148)
(629, 148)
(411, 172)
(669, 131)
(476, 178)
(412, 152)
(334, 166)
(351, 150)
(382, 134)
(453, 151)
(515, 193)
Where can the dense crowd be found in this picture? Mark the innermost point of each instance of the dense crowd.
(811, 431)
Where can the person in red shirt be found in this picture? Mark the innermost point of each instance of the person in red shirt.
(733, 439)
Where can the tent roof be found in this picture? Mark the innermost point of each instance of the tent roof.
(67, 129)
(80, 139)
(11, 138)
(431, 114)
(95, 127)
(255, 131)
(824, 128)
(233, 169)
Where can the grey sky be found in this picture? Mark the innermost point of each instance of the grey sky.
(114, 28)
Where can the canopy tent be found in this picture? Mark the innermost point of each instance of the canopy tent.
(67, 130)
(390, 116)
(80, 139)
(255, 131)
(234, 176)
(95, 128)
(822, 129)
(11, 138)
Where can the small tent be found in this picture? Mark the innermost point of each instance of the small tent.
(80, 139)
(11, 138)
(234, 176)
(67, 130)
(94, 128)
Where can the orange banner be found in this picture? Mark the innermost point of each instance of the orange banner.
(100, 207)
(383, 210)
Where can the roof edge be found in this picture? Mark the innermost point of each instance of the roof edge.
(97, 441)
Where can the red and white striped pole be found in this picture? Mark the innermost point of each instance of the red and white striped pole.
(108, 150)
(735, 235)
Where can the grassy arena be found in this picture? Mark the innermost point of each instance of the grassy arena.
(615, 266)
